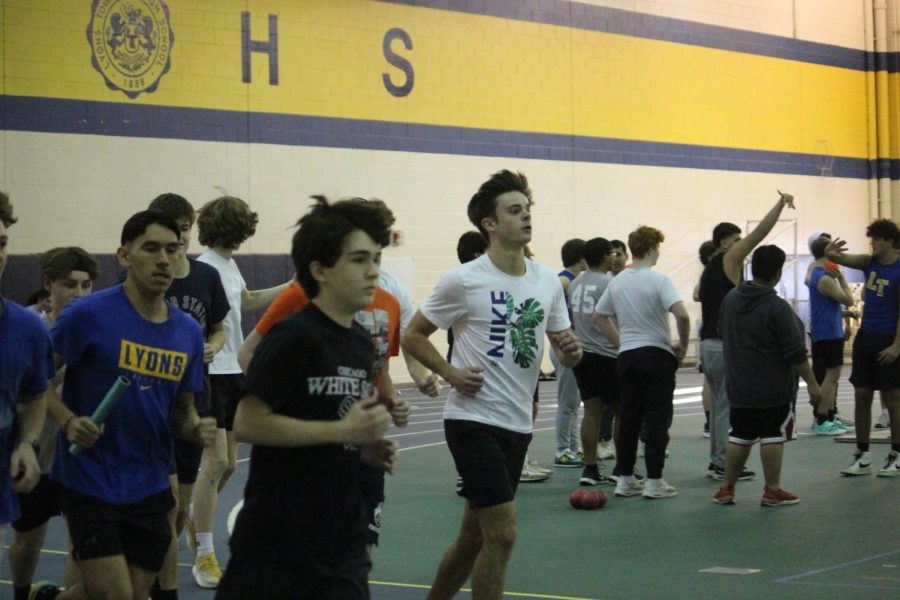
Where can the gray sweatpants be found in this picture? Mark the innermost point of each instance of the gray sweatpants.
(719, 425)
(568, 400)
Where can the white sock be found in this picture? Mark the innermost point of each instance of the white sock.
(628, 479)
(204, 544)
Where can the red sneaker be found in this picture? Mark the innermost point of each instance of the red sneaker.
(778, 497)
(725, 495)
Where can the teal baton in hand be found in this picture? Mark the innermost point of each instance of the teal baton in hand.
(102, 411)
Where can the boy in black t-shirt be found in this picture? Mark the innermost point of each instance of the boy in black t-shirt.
(310, 413)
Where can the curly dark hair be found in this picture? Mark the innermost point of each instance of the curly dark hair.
(321, 232)
(226, 222)
(884, 229)
(6, 210)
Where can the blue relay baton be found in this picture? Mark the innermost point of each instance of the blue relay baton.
(102, 411)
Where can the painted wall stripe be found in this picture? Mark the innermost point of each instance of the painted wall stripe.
(23, 113)
(618, 21)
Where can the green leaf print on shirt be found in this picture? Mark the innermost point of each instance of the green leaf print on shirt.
(524, 341)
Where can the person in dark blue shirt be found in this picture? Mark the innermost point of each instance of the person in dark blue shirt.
(877, 343)
(197, 290)
(25, 366)
(116, 494)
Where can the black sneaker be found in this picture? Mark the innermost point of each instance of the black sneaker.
(718, 473)
(636, 474)
(459, 487)
(593, 476)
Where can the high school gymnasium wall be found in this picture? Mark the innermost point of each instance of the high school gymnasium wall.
(672, 113)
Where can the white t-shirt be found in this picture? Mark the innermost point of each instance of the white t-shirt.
(640, 300)
(395, 288)
(225, 361)
(499, 322)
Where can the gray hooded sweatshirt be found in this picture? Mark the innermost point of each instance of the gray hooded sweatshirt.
(762, 340)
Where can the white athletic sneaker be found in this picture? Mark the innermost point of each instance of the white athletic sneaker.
(862, 465)
(605, 451)
(884, 421)
(891, 466)
(531, 475)
(658, 488)
(625, 489)
(533, 465)
(206, 571)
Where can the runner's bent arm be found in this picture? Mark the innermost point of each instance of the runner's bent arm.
(467, 380)
(257, 423)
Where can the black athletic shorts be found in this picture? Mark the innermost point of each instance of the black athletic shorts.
(39, 505)
(597, 378)
(772, 425)
(262, 576)
(826, 354)
(187, 461)
(489, 459)
(225, 392)
(371, 482)
(867, 373)
(139, 531)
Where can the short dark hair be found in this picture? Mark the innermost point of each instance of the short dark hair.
(722, 231)
(884, 229)
(618, 244)
(226, 222)
(470, 243)
(321, 232)
(37, 296)
(643, 239)
(483, 204)
(138, 223)
(56, 263)
(706, 251)
(6, 210)
(767, 261)
(174, 205)
(818, 247)
(572, 252)
(595, 251)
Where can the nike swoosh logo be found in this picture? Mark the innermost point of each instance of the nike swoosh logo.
(144, 388)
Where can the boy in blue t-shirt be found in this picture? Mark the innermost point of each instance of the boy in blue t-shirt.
(116, 494)
(877, 343)
(25, 366)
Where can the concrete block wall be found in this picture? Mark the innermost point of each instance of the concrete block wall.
(673, 113)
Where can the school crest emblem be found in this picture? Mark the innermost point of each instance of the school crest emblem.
(131, 43)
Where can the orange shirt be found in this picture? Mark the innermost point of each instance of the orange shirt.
(381, 319)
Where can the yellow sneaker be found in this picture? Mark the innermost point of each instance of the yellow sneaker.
(206, 571)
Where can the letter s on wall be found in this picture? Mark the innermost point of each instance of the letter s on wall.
(397, 61)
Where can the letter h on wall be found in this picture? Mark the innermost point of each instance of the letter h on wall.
(270, 48)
